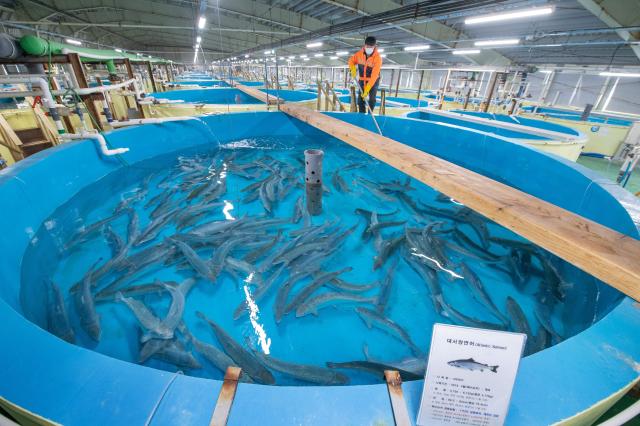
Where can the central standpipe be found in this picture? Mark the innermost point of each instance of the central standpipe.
(313, 180)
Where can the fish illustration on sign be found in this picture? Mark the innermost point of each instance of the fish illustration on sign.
(471, 365)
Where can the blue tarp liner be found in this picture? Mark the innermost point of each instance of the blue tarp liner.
(75, 386)
(424, 115)
(227, 96)
(291, 95)
(575, 116)
(525, 121)
(203, 83)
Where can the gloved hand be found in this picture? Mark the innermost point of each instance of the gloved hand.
(354, 71)
(366, 91)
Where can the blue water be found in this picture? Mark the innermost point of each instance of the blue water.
(337, 333)
(223, 95)
(575, 116)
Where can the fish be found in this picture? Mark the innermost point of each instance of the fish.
(154, 228)
(241, 356)
(133, 227)
(259, 293)
(304, 372)
(374, 228)
(339, 183)
(174, 353)
(374, 319)
(215, 356)
(87, 231)
(340, 284)
(386, 286)
(471, 365)
(256, 254)
(150, 322)
(543, 314)
(218, 259)
(312, 305)
(318, 281)
(375, 368)
(113, 240)
(388, 248)
(196, 262)
(453, 314)
(411, 364)
(85, 305)
(57, 317)
(519, 322)
(479, 293)
(540, 341)
(298, 210)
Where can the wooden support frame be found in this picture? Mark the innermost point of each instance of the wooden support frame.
(398, 81)
(600, 251)
(81, 78)
(151, 77)
(383, 102)
(225, 397)
(253, 92)
(398, 404)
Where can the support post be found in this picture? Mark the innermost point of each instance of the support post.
(492, 87)
(153, 80)
(88, 100)
(127, 64)
(383, 102)
(398, 405)
(420, 87)
(398, 82)
(225, 397)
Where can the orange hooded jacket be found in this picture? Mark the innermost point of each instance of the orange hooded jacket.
(368, 68)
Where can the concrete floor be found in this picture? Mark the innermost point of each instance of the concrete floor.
(610, 171)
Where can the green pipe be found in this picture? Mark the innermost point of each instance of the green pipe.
(37, 46)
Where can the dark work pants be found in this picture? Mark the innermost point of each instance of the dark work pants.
(372, 97)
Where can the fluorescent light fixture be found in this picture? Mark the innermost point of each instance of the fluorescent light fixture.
(139, 54)
(503, 42)
(380, 50)
(305, 59)
(72, 41)
(312, 45)
(333, 58)
(198, 39)
(384, 55)
(246, 56)
(517, 14)
(546, 71)
(416, 48)
(282, 58)
(202, 22)
(292, 57)
(342, 53)
(119, 50)
(466, 51)
(268, 52)
(303, 56)
(318, 55)
(620, 74)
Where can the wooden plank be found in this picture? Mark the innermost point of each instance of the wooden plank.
(399, 407)
(225, 397)
(600, 251)
(253, 92)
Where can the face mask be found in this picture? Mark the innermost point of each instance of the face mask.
(368, 50)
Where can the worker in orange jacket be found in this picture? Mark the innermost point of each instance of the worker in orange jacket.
(366, 64)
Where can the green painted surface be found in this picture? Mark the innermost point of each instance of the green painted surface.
(610, 171)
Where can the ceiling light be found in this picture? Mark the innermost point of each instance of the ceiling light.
(198, 39)
(312, 45)
(268, 52)
(303, 56)
(518, 14)
(202, 22)
(292, 57)
(305, 59)
(620, 74)
(546, 71)
(503, 42)
(282, 58)
(318, 55)
(342, 53)
(384, 55)
(417, 48)
(380, 50)
(119, 50)
(333, 58)
(72, 41)
(466, 51)
(246, 56)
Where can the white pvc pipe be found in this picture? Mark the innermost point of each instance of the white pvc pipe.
(139, 121)
(623, 417)
(98, 89)
(98, 138)
(35, 80)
